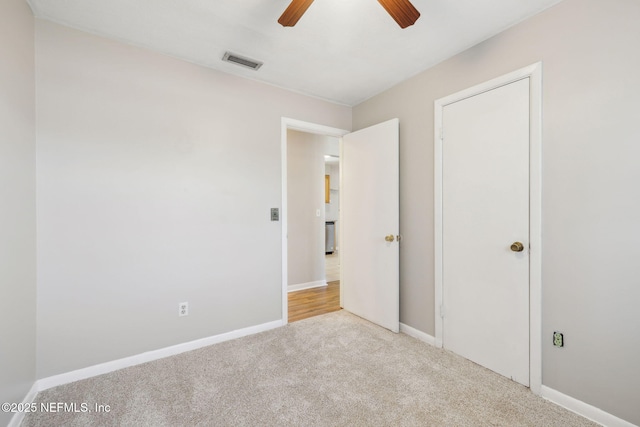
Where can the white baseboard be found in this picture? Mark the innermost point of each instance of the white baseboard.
(149, 356)
(584, 409)
(17, 418)
(412, 332)
(308, 285)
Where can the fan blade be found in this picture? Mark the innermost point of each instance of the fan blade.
(294, 12)
(402, 11)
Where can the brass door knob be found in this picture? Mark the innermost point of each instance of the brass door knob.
(517, 247)
(389, 238)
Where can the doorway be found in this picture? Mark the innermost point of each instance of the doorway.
(487, 219)
(332, 212)
(318, 297)
(369, 237)
(313, 221)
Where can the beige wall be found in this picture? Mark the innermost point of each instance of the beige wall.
(591, 207)
(17, 203)
(155, 182)
(305, 197)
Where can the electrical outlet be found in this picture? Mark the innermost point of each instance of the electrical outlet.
(275, 214)
(558, 339)
(183, 309)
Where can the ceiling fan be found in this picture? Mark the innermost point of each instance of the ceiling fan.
(402, 11)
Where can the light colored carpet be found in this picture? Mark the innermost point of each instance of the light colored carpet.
(331, 370)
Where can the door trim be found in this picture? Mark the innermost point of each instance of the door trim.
(308, 127)
(534, 73)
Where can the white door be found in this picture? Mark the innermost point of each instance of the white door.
(485, 211)
(369, 210)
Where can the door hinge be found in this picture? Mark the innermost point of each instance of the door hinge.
(441, 134)
(442, 311)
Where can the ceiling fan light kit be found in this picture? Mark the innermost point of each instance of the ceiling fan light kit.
(402, 11)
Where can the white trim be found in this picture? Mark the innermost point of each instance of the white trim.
(299, 125)
(309, 127)
(534, 73)
(149, 356)
(437, 219)
(422, 336)
(535, 228)
(583, 409)
(340, 216)
(308, 285)
(17, 418)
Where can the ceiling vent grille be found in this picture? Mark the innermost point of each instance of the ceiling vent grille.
(240, 60)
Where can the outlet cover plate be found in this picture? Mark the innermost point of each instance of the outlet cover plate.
(558, 339)
(183, 309)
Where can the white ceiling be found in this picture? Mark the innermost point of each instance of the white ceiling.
(344, 51)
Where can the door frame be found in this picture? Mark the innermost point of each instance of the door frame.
(302, 126)
(534, 73)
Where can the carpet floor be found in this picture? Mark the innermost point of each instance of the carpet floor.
(331, 370)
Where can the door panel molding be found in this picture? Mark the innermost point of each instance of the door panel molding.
(534, 73)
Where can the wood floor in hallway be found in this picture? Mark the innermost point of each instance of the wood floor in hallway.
(315, 301)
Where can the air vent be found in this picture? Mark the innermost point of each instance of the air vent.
(239, 60)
